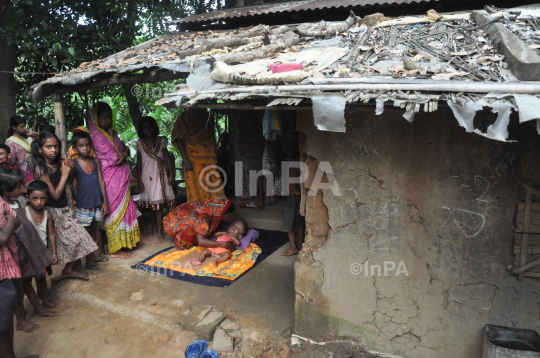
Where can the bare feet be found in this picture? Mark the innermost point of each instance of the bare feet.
(101, 258)
(123, 255)
(92, 265)
(49, 304)
(145, 241)
(290, 251)
(196, 263)
(26, 326)
(75, 274)
(53, 299)
(215, 263)
(161, 237)
(46, 313)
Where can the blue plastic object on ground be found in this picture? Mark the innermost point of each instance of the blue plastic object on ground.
(196, 349)
(210, 354)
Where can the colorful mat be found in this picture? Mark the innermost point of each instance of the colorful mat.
(176, 264)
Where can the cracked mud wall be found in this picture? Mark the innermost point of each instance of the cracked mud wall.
(432, 197)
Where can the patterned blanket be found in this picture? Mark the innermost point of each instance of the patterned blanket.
(180, 261)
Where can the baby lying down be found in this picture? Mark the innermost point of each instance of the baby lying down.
(234, 233)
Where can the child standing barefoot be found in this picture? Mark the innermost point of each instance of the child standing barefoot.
(72, 240)
(234, 233)
(91, 197)
(33, 256)
(10, 275)
(154, 174)
(41, 219)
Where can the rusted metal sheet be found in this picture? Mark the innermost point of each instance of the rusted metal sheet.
(292, 6)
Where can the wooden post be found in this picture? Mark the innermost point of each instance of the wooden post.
(61, 132)
(531, 188)
(525, 236)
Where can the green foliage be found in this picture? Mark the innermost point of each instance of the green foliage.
(165, 117)
(54, 36)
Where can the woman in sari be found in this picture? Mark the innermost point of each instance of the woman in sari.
(191, 223)
(193, 135)
(121, 224)
(19, 144)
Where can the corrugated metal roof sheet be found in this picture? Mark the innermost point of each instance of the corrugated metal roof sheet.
(293, 6)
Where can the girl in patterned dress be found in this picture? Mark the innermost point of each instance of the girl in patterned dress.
(10, 274)
(154, 173)
(72, 240)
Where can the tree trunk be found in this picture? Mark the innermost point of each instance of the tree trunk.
(7, 80)
(133, 106)
(131, 99)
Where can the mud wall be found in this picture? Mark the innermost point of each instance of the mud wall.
(431, 199)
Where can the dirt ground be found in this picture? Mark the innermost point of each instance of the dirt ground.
(121, 312)
(275, 349)
(330, 350)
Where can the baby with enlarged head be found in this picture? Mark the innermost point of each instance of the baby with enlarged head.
(234, 233)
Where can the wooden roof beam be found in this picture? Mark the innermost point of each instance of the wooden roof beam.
(117, 79)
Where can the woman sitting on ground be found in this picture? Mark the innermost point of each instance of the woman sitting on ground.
(192, 223)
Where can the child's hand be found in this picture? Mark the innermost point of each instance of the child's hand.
(229, 246)
(69, 162)
(220, 233)
(171, 180)
(141, 185)
(65, 169)
(236, 241)
(30, 133)
(105, 209)
(55, 261)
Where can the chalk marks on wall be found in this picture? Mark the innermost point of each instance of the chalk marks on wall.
(470, 223)
(376, 219)
(499, 167)
(374, 244)
(350, 148)
(476, 181)
(378, 215)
